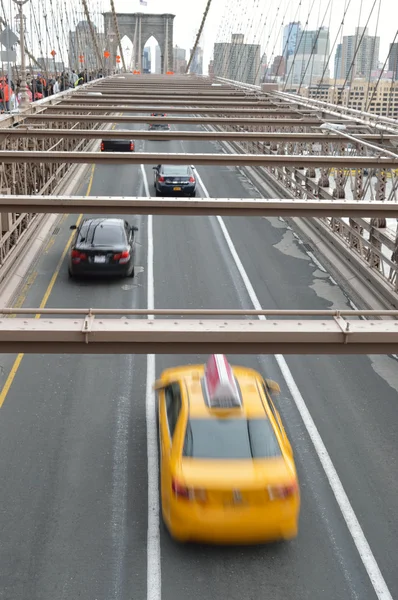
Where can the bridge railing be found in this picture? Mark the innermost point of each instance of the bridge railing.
(34, 178)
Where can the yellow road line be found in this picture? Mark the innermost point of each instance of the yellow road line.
(18, 360)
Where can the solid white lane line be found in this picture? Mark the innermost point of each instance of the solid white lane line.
(354, 527)
(145, 180)
(154, 578)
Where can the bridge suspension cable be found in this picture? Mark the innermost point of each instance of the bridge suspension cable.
(198, 34)
(115, 22)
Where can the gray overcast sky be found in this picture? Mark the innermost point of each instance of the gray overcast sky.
(262, 20)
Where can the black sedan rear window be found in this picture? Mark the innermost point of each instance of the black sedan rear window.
(180, 170)
(102, 234)
(233, 439)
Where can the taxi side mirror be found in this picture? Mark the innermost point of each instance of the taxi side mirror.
(273, 386)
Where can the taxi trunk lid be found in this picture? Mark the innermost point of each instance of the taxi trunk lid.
(229, 483)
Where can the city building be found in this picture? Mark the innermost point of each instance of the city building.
(278, 67)
(49, 65)
(146, 60)
(337, 61)
(211, 68)
(393, 60)
(263, 68)
(379, 98)
(291, 37)
(179, 60)
(359, 55)
(197, 62)
(237, 60)
(158, 60)
(309, 64)
(81, 44)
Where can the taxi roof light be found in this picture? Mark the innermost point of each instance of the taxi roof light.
(220, 384)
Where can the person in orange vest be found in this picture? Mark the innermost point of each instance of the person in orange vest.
(5, 94)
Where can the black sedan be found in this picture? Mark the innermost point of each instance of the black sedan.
(117, 146)
(103, 246)
(174, 180)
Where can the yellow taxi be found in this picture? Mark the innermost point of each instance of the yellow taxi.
(226, 464)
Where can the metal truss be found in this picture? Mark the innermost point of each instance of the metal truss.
(365, 240)
(199, 206)
(276, 147)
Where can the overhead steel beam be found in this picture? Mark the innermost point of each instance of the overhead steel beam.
(165, 336)
(176, 120)
(145, 134)
(111, 205)
(127, 108)
(267, 312)
(153, 158)
(94, 100)
(172, 93)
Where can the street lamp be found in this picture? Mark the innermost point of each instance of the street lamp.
(24, 94)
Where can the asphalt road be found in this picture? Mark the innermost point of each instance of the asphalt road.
(73, 429)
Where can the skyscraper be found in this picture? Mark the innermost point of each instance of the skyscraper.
(237, 60)
(146, 60)
(291, 37)
(359, 54)
(197, 62)
(81, 44)
(337, 61)
(393, 60)
(179, 60)
(309, 64)
(158, 60)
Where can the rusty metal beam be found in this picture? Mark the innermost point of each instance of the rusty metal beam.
(171, 92)
(288, 122)
(111, 205)
(98, 100)
(128, 108)
(151, 158)
(90, 335)
(145, 134)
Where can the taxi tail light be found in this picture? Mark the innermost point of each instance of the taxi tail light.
(192, 180)
(282, 492)
(122, 257)
(132, 146)
(182, 491)
(78, 256)
(102, 146)
(161, 178)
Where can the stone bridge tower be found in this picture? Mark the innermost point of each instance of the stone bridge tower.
(139, 27)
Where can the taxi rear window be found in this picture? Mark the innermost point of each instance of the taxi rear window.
(230, 439)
